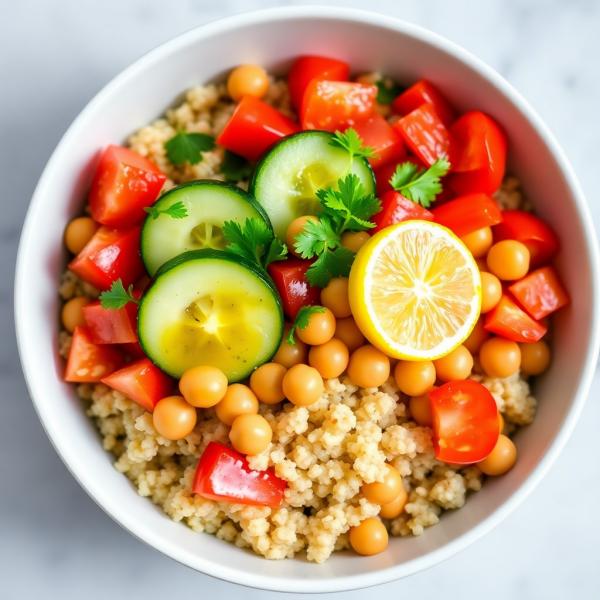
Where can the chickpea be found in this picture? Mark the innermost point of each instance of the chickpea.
(320, 328)
(395, 508)
(368, 367)
(330, 358)
(79, 232)
(302, 385)
(203, 386)
(238, 400)
(267, 383)
(294, 229)
(174, 418)
(250, 434)
(479, 242)
(456, 365)
(420, 410)
(386, 491)
(354, 241)
(247, 80)
(370, 537)
(508, 260)
(500, 422)
(334, 296)
(501, 459)
(414, 378)
(491, 292)
(289, 355)
(72, 313)
(535, 357)
(477, 336)
(500, 357)
(347, 331)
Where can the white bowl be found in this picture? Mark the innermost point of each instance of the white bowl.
(272, 38)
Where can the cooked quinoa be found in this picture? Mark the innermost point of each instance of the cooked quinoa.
(325, 451)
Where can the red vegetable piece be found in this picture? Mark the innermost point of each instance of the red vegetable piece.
(383, 138)
(540, 239)
(423, 92)
(512, 322)
(290, 279)
(117, 326)
(395, 208)
(540, 293)
(224, 474)
(89, 362)
(253, 127)
(468, 213)
(110, 255)
(307, 68)
(133, 350)
(385, 173)
(142, 382)
(465, 422)
(336, 105)
(123, 184)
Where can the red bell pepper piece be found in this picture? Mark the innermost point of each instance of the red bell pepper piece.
(142, 382)
(423, 92)
(468, 213)
(253, 127)
(540, 239)
(290, 279)
(224, 474)
(307, 68)
(510, 321)
(133, 350)
(110, 255)
(540, 293)
(395, 208)
(385, 173)
(383, 138)
(89, 362)
(117, 326)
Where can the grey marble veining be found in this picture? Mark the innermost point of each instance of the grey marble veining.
(54, 56)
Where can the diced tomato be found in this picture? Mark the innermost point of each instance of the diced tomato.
(142, 382)
(89, 362)
(468, 213)
(426, 136)
(483, 146)
(224, 474)
(253, 127)
(383, 138)
(423, 92)
(524, 227)
(307, 68)
(290, 279)
(133, 350)
(395, 208)
(540, 293)
(512, 322)
(110, 255)
(336, 105)
(385, 173)
(123, 184)
(117, 326)
(465, 422)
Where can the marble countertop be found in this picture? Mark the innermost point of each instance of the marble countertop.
(54, 541)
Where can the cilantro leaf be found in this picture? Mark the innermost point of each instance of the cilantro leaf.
(316, 237)
(235, 167)
(353, 144)
(188, 147)
(117, 296)
(302, 321)
(277, 251)
(387, 94)
(176, 211)
(420, 185)
(330, 264)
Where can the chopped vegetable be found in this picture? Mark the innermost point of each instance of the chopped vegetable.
(235, 167)
(420, 185)
(510, 321)
(396, 208)
(423, 92)
(175, 211)
(468, 214)
(386, 94)
(384, 141)
(302, 320)
(117, 297)
(188, 147)
(114, 319)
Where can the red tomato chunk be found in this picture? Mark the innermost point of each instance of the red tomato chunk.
(133, 350)
(421, 93)
(377, 133)
(510, 321)
(540, 293)
(468, 214)
(395, 208)
(290, 279)
(465, 422)
(224, 474)
(112, 326)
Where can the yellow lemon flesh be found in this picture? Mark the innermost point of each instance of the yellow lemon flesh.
(415, 291)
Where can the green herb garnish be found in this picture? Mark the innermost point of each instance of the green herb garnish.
(176, 211)
(353, 144)
(117, 296)
(235, 167)
(420, 185)
(302, 321)
(188, 147)
(385, 94)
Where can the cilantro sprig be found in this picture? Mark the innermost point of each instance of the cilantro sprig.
(117, 297)
(235, 167)
(353, 144)
(188, 147)
(387, 94)
(420, 185)
(175, 211)
(302, 321)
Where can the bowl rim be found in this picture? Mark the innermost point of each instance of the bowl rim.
(386, 575)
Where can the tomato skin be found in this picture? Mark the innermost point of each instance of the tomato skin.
(253, 127)
(385, 173)
(336, 105)
(383, 138)
(540, 293)
(465, 422)
(540, 239)
(395, 208)
(110, 255)
(224, 474)
(468, 213)
(89, 362)
(133, 350)
(424, 92)
(141, 382)
(290, 279)
(112, 326)
(510, 321)
(123, 184)
(307, 68)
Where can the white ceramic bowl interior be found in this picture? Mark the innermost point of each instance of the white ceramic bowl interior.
(273, 38)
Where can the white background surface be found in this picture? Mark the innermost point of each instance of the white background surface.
(54, 56)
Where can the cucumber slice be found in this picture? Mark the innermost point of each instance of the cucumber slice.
(286, 179)
(208, 307)
(209, 204)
